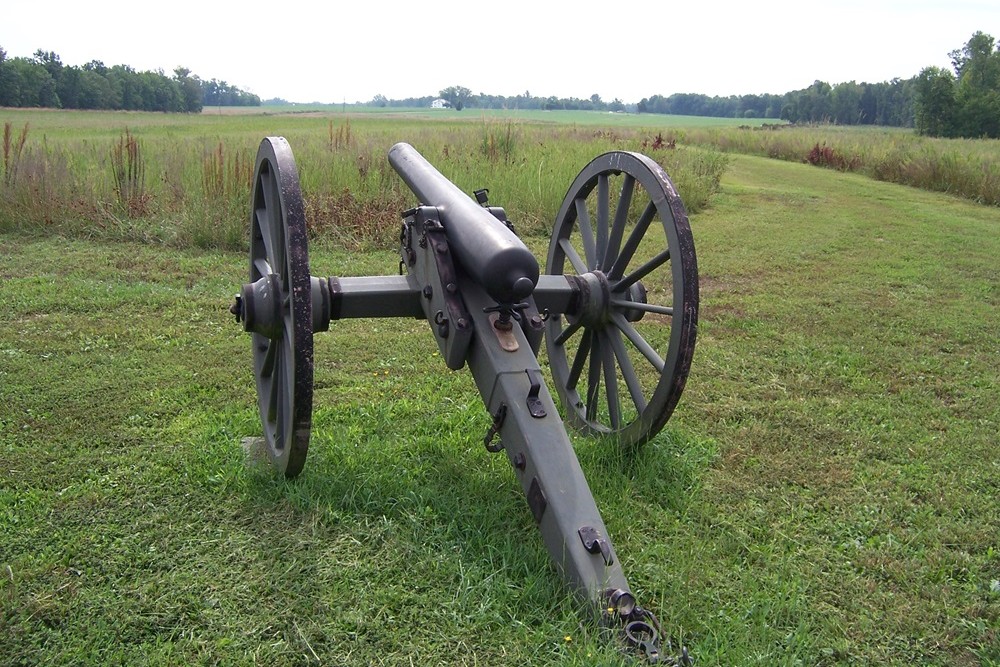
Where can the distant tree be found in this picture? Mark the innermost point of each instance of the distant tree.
(96, 66)
(936, 107)
(221, 94)
(190, 88)
(977, 67)
(26, 83)
(867, 105)
(966, 104)
(96, 92)
(845, 103)
(51, 62)
(457, 96)
(379, 100)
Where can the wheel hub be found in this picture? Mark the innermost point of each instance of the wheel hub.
(596, 305)
(261, 306)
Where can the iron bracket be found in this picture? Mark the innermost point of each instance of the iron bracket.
(432, 269)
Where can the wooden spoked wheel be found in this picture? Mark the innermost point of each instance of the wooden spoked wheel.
(278, 307)
(621, 356)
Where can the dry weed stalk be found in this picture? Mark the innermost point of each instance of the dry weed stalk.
(12, 151)
(128, 169)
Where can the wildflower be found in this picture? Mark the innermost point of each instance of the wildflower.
(567, 639)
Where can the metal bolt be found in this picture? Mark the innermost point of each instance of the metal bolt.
(428, 292)
(237, 308)
(503, 324)
(520, 462)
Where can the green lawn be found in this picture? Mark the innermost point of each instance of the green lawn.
(826, 493)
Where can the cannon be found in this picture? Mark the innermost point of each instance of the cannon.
(616, 305)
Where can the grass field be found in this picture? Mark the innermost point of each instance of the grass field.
(183, 180)
(826, 493)
(587, 118)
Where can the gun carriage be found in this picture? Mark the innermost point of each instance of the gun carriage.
(617, 307)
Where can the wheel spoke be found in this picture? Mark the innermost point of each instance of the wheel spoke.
(640, 343)
(628, 370)
(621, 218)
(266, 176)
(287, 410)
(275, 384)
(594, 378)
(632, 244)
(610, 381)
(624, 304)
(275, 224)
(263, 268)
(263, 227)
(579, 360)
(603, 212)
(642, 271)
(586, 233)
(567, 333)
(267, 366)
(573, 257)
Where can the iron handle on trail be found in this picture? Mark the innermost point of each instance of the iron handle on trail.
(617, 307)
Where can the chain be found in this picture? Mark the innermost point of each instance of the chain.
(642, 632)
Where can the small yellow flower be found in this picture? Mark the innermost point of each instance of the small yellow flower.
(567, 639)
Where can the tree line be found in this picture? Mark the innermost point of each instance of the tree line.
(460, 97)
(45, 81)
(851, 103)
(936, 102)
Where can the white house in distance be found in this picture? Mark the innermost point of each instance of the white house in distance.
(440, 103)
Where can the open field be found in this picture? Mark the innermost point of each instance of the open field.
(599, 118)
(184, 180)
(826, 493)
(968, 168)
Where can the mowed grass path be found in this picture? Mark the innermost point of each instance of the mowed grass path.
(827, 492)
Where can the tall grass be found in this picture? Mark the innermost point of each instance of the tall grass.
(188, 183)
(499, 139)
(12, 149)
(128, 170)
(967, 168)
(218, 218)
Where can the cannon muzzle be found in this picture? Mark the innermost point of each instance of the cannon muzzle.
(487, 250)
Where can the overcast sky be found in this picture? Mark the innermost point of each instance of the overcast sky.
(304, 50)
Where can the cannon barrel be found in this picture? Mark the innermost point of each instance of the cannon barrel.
(487, 250)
